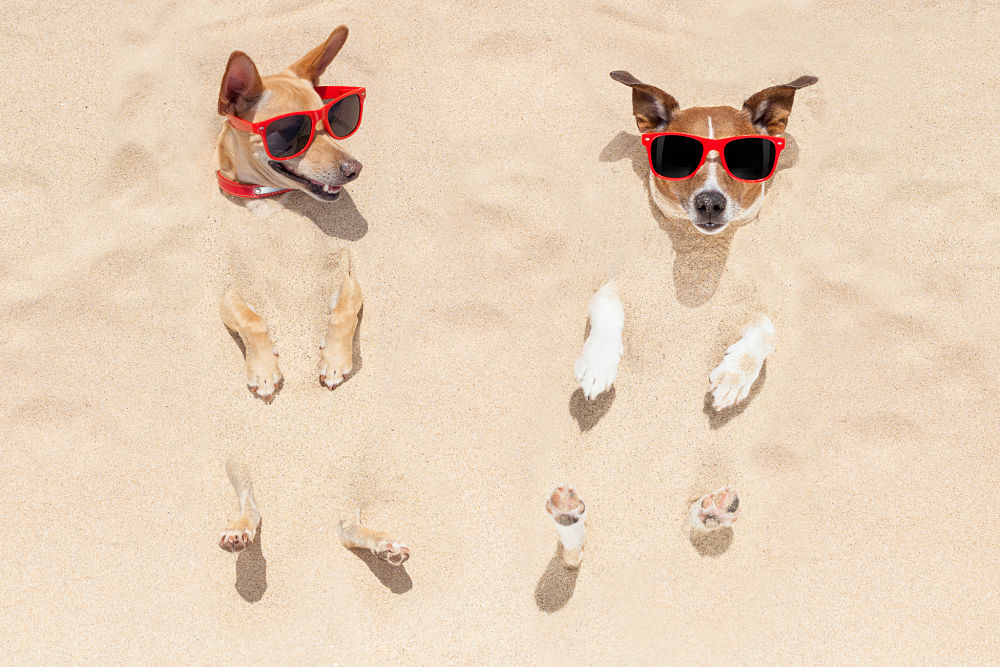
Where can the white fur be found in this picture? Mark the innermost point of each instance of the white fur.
(597, 367)
(732, 379)
(572, 536)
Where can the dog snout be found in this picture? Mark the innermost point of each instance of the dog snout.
(350, 169)
(710, 203)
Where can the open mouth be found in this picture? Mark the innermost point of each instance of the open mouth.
(316, 189)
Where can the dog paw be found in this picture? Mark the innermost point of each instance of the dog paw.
(732, 379)
(237, 536)
(264, 377)
(565, 506)
(715, 510)
(597, 367)
(335, 364)
(394, 553)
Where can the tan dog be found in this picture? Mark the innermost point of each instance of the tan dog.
(323, 169)
(711, 200)
(353, 535)
(336, 362)
(240, 533)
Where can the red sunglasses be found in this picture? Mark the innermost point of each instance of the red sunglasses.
(290, 134)
(675, 156)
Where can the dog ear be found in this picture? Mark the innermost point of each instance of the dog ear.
(314, 63)
(651, 107)
(241, 86)
(769, 109)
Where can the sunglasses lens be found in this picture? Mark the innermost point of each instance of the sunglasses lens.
(675, 157)
(287, 136)
(750, 159)
(344, 116)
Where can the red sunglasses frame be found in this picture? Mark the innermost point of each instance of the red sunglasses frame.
(332, 93)
(709, 145)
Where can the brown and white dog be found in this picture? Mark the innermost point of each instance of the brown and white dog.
(711, 200)
(323, 169)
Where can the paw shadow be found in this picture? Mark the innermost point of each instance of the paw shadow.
(556, 585)
(243, 350)
(340, 218)
(251, 572)
(711, 544)
(719, 419)
(393, 577)
(588, 412)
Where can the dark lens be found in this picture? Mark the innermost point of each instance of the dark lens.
(344, 116)
(750, 159)
(675, 157)
(289, 135)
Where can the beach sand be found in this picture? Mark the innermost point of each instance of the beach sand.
(503, 180)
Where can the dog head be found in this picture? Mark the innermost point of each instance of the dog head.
(324, 167)
(711, 199)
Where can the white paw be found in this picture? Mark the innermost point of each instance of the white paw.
(732, 379)
(597, 367)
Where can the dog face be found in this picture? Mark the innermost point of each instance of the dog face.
(325, 167)
(711, 199)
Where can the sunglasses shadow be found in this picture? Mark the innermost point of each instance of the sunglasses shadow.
(339, 219)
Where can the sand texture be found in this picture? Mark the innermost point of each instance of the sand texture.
(503, 180)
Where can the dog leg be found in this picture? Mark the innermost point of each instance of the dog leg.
(263, 375)
(243, 531)
(355, 536)
(731, 380)
(568, 512)
(597, 367)
(715, 510)
(337, 349)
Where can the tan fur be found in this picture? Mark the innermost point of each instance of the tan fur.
(263, 375)
(353, 535)
(241, 532)
(241, 156)
(337, 349)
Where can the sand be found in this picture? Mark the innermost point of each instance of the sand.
(502, 181)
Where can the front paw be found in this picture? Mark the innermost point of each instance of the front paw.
(597, 367)
(732, 379)
(264, 378)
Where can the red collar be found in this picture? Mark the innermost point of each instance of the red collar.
(248, 191)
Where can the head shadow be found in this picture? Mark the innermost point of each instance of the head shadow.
(339, 219)
(700, 260)
(721, 418)
(711, 544)
(393, 577)
(251, 572)
(556, 585)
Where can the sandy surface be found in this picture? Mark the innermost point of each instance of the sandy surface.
(503, 180)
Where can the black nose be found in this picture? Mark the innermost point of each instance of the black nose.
(710, 203)
(350, 169)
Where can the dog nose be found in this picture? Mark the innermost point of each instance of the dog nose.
(710, 203)
(350, 169)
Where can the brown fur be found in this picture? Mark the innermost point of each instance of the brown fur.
(241, 156)
(765, 112)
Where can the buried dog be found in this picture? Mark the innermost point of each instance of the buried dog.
(709, 166)
(285, 133)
